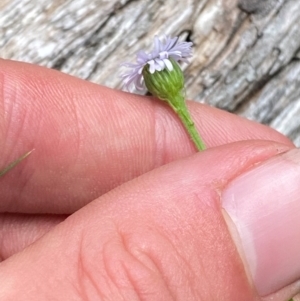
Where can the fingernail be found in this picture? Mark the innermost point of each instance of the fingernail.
(263, 206)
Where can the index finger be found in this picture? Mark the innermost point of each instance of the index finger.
(89, 139)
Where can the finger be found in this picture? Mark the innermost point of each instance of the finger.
(18, 231)
(89, 139)
(161, 236)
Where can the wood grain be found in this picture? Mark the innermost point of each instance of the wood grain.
(246, 53)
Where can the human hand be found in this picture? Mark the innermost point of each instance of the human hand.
(160, 236)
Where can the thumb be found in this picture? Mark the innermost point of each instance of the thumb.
(161, 236)
(263, 209)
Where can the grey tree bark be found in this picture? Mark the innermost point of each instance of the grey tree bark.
(246, 52)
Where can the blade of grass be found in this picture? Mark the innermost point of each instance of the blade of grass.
(14, 163)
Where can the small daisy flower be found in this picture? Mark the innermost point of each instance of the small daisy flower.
(157, 60)
(160, 72)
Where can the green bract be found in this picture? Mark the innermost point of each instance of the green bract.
(164, 84)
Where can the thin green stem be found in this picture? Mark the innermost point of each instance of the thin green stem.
(14, 163)
(179, 106)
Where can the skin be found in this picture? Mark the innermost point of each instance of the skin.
(115, 203)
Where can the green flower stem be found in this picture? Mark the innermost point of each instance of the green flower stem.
(14, 163)
(168, 85)
(179, 106)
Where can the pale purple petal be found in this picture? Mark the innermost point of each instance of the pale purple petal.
(168, 64)
(164, 55)
(157, 45)
(152, 66)
(160, 63)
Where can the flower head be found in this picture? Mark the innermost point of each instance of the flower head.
(157, 60)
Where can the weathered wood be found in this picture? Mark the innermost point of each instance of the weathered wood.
(246, 54)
